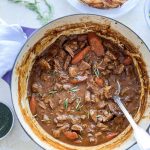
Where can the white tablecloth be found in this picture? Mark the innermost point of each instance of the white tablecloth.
(11, 13)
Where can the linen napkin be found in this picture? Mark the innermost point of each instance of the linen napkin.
(12, 38)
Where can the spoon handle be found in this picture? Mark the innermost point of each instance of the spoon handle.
(141, 136)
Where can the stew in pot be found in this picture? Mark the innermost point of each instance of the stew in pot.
(71, 86)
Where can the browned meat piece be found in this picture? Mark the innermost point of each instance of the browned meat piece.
(71, 135)
(92, 140)
(51, 104)
(70, 47)
(82, 37)
(73, 70)
(102, 126)
(77, 127)
(104, 115)
(61, 40)
(44, 64)
(78, 141)
(57, 65)
(119, 69)
(114, 108)
(42, 104)
(84, 66)
(106, 59)
(61, 118)
(67, 86)
(111, 55)
(75, 119)
(58, 86)
(94, 98)
(78, 79)
(99, 81)
(56, 133)
(102, 104)
(109, 91)
(87, 96)
(62, 54)
(45, 77)
(93, 114)
(36, 87)
(66, 126)
(98, 134)
(67, 62)
(83, 117)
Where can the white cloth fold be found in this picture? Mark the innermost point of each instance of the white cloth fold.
(12, 38)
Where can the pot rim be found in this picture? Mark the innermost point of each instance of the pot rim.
(35, 32)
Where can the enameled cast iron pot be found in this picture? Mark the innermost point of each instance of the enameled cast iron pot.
(72, 25)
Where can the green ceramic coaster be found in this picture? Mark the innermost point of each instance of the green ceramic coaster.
(6, 120)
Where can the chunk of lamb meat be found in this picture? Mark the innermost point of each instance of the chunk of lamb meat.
(109, 91)
(37, 88)
(44, 64)
(93, 114)
(70, 47)
(87, 96)
(78, 79)
(104, 116)
(101, 104)
(67, 86)
(61, 40)
(67, 62)
(114, 108)
(84, 66)
(56, 133)
(61, 118)
(75, 119)
(42, 105)
(119, 69)
(57, 65)
(77, 127)
(112, 55)
(102, 126)
(73, 71)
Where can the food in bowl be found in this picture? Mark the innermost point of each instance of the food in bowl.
(104, 3)
(71, 88)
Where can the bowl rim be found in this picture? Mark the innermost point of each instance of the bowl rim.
(34, 33)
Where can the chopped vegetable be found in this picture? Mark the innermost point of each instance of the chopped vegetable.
(80, 56)
(96, 44)
(99, 81)
(33, 105)
(71, 135)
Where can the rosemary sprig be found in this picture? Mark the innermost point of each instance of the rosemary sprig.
(96, 72)
(78, 106)
(74, 89)
(66, 103)
(33, 6)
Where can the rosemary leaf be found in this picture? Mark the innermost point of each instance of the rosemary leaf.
(66, 103)
(96, 72)
(74, 89)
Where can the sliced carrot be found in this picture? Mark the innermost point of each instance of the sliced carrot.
(96, 44)
(111, 135)
(99, 81)
(71, 135)
(33, 105)
(127, 60)
(78, 57)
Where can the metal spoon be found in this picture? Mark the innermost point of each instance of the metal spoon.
(141, 136)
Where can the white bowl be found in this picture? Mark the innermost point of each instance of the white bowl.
(147, 11)
(112, 13)
(34, 46)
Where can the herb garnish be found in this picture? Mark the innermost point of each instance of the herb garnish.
(34, 6)
(96, 72)
(74, 89)
(66, 103)
(78, 106)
